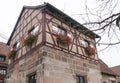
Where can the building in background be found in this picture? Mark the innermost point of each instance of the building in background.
(108, 76)
(116, 69)
(4, 51)
(48, 46)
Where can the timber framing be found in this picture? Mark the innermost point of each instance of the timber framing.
(61, 16)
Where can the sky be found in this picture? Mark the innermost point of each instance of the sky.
(10, 11)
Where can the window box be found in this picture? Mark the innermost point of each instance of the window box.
(2, 77)
(90, 50)
(12, 54)
(63, 40)
(30, 40)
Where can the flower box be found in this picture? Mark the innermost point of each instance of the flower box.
(30, 40)
(12, 54)
(90, 50)
(2, 77)
(63, 40)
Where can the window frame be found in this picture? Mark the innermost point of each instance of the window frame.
(3, 70)
(85, 43)
(84, 78)
(16, 46)
(2, 57)
(59, 30)
(30, 76)
(32, 30)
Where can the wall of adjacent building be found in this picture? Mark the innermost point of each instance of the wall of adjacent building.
(108, 78)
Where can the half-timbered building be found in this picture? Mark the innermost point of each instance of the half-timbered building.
(48, 46)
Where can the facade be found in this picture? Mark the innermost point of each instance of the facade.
(48, 46)
(108, 76)
(4, 51)
(116, 69)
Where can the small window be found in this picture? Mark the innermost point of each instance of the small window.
(16, 45)
(34, 30)
(80, 79)
(32, 78)
(85, 43)
(104, 82)
(61, 31)
(113, 81)
(3, 70)
(2, 58)
(58, 30)
(55, 29)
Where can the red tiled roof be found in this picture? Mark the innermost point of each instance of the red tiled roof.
(116, 69)
(105, 69)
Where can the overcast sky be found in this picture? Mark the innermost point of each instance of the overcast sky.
(10, 10)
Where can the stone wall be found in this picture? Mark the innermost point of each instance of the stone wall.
(53, 66)
(19, 70)
(62, 67)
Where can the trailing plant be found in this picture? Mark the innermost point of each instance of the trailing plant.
(12, 54)
(63, 40)
(90, 50)
(30, 40)
(2, 77)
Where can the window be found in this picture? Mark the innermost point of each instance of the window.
(32, 78)
(55, 29)
(113, 81)
(2, 58)
(85, 43)
(80, 79)
(58, 30)
(34, 30)
(16, 45)
(3, 70)
(61, 31)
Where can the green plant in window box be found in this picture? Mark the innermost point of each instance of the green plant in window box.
(30, 40)
(90, 50)
(12, 54)
(63, 40)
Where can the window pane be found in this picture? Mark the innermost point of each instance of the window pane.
(2, 58)
(34, 31)
(32, 78)
(16, 45)
(58, 30)
(80, 79)
(54, 29)
(61, 31)
(2, 71)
